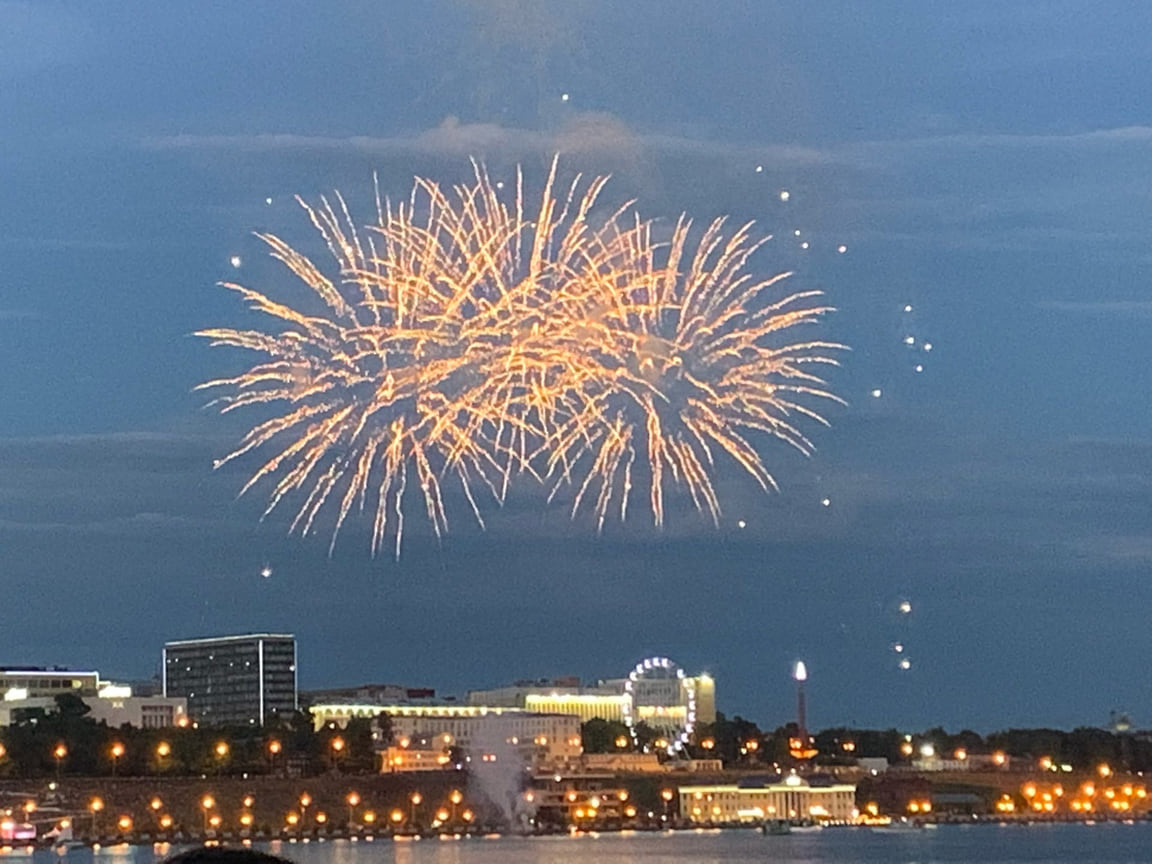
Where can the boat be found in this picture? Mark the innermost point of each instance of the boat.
(899, 826)
(785, 826)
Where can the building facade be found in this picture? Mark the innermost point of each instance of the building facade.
(36, 690)
(792, 797)
(656, 692)
(422, 734)
(247, 680)
(30, 682)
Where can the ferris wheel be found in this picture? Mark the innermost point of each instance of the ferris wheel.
(662, 696)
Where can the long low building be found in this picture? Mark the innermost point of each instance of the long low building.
(28, 689)
(789, 797)
(487, 734)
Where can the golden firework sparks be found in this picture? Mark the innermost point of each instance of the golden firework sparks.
(465, 337)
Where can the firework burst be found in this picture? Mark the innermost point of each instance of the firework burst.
(691, 360)
(460, 337)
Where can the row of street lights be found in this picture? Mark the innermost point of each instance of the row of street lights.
(336, 747)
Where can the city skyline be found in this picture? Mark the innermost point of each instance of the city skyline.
(970, 536)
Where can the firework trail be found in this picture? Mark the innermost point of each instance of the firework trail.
(464, 338)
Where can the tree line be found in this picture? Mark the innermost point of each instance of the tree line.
(740, 742)
(66, 741)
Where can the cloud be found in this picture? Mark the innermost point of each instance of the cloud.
(37, 35)
(589, 133)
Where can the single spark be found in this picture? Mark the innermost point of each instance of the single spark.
(877, 393)
(266, 571)
(841, 248)
(236, 261)
(919, 367)
(927, 346)
(909, 340)
(759, 169)
(785, 194)
(905, 664)
(905, 607)
(825, 502)
(908, 307)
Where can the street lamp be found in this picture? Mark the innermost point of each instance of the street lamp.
(274, 748)
(58, 754)
(163, 750)
(353, 800)
(95, 806)
(117, 751)
(206, 804)
(221, 750)
(337, 747)
(456, 797)
(305, 800)
(667, 795)
(415, 798)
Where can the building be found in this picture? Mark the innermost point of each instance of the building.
(107, 703)
(35, 690)
(117, 705)
(789, 797)
(247, 680)
(588, 703)
(378, 694)
(422, 734)
(656, 692)
(30, 682)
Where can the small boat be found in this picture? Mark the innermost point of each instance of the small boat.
(900, 826)
(806, 827)
(776, 827)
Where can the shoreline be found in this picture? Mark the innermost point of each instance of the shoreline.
(231, 839)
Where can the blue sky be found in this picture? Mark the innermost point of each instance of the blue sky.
(987, 164)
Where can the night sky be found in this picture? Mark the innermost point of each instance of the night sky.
(988, 165)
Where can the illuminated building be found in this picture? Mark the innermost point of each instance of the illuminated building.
(26, 690)
(791, 797)
(25, 682)
(656, 692)
(233, 680)
(430, 731)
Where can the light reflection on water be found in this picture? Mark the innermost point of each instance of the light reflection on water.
(1099, 844)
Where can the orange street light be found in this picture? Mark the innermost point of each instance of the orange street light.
(124, 823)
(117, 750)
(156, 804)
(58, 753)
(397, 816)
(163, 750)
